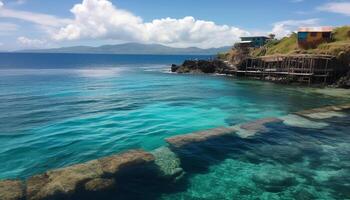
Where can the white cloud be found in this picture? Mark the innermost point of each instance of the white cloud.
(336, 7)
(37, 18)
(101, 19)
(14, 2)
(19, 2)
(284, 28)
(7, 28)
(28, 42)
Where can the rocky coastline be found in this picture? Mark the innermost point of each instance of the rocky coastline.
(344, 81)
(222, 67)
(203, 66)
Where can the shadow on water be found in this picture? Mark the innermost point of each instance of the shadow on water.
(136, 183)
(198, 157)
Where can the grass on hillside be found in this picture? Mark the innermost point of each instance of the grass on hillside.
(342, 34)
(289, 45)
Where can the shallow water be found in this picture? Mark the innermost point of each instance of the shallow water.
(283, 163)
(57, 110)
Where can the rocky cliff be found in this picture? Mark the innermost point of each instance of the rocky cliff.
(203, 66)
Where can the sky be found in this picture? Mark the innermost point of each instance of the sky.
(30, 24)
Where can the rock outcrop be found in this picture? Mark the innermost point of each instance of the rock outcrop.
(202, 66)
(276, 181)
(181, 140)
(96, 175)
(91, 177)
(250, 129)
(62, 183)
(166, 163)
(310, 113)
(11, 190)
(259, 125)
(99, 184)
(169, 163)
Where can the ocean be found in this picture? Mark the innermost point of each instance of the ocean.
(61, 109)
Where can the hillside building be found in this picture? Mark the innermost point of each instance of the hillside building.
(313, 36)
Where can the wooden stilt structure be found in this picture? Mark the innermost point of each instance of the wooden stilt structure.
(303, 68)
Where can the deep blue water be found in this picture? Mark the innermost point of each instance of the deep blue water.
(69, 61)
(61, 109)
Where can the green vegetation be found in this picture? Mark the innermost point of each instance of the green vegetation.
(283, 46)
(342, 33)
(286, 45)
(289, 45)
(222, 55)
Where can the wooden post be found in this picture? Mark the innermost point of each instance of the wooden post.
(325, 73)
(246, 65)
(262, 69)
(290, 60)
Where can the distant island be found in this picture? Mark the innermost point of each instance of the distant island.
(132, 48)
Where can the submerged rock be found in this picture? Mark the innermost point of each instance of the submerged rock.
(99, 184)
(303, 194)
(325, 115)
(89, 176)
(169, 163)
(11, 190)
(281, 153)
(274, 181)
(62, 182)
(259, 124)
(201, 136)
(250, 129)
(111, 165)
(327, 109)
(339, 183)
(302, 122)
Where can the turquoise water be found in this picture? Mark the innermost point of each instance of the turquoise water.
(284, 163)
(59, 109)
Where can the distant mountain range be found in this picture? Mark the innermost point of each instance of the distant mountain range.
(132, 48)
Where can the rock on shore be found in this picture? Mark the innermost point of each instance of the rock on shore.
(203, 66)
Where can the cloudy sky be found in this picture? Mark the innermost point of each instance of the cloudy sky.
(182, 23)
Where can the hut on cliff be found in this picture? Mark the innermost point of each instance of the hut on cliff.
(255, 41)
(311, 37)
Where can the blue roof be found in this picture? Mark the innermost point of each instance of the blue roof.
(255, 37)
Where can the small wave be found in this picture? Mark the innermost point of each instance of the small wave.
(326, 115)
(301, 122)
(156, 68)
(108, 72)
(88, 72)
